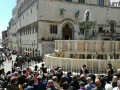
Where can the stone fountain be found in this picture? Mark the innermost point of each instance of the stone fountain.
(87, 25)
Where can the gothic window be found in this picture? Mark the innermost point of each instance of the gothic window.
(101, 2)
(26, 31)
(69, 0)
(30, 30)
(31, 11)
(53, 29)
(36, 29)
(50, 29)
(33, 29)
(81, 1)
(56, 29)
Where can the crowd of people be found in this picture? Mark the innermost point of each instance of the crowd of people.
(42, 79)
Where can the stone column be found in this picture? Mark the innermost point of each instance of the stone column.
(76, 46)
(104, 56)
(86, 46)
(69, 55)
(92, 56)
(112, 56)
(86, 56)
(58, 45)
(112, 46)
(95, 46)
(108, 57)
(103, 46)
(61, 44)
(116, 47)
(55, 45)
(68, 46)
(95, 56)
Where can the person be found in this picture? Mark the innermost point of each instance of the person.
(68, 78)
(62, 80)
(108, 87)
(43, 68)
(89, 86)
(25, 85)
(51, 86)
(13, 85)
(114, 81)
(65, 86)
(118, 86)
(75, 83)
(55, 83)
(30, 85)
(59, 74)
(22, 80)
(97, 83)
(110, 68)
(40, 84)
(82, 86)
(109, 76)
(84, 70)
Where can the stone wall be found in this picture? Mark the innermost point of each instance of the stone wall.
(51, 60)
(48, 47)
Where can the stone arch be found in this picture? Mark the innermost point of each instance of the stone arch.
(112, 25)
(70, 25)
(106, 38)
(117, 39)
(112, 21)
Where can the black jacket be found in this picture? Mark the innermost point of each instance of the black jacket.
(86, 71)
(75, 84)
(22, 79)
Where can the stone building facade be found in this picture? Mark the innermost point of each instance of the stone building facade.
(34, 20)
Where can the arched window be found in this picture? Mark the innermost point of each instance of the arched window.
(50, 29)
(112, 27)
(81, 1)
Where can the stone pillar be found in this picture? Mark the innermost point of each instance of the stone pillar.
(116, 47)
(61, 54)
(76, 56)
(95, 46)
(108, 57)
(76, 46)
(112, 46)
(86, 56)
(61, 44)
(112, 56)
(55, 45)
(95, 56)
(69, 55)
(92, 56)
(103, 47)
(68, 46)
(86, 46)
(58, 45)
(104, 56)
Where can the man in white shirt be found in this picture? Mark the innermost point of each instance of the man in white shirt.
(118, 86)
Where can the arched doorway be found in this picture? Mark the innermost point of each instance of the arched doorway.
(66, 32)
